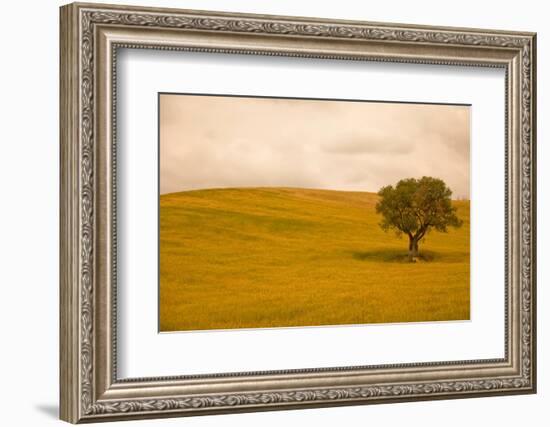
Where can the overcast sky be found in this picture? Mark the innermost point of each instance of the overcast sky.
(217, 142)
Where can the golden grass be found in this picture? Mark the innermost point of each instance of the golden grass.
(274, 257)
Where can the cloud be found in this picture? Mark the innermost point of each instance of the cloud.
(213, 141)
(368, 145)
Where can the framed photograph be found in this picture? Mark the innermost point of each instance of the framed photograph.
(265, 212)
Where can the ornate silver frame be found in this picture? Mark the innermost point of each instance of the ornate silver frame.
(90, 36)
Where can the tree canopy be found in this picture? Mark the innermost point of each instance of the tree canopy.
(416, 206)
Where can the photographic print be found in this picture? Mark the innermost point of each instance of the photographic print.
(288, 212)
(375, 247)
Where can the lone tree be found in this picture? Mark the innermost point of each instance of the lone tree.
(414, 207)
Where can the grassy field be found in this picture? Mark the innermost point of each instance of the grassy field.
(273, 257)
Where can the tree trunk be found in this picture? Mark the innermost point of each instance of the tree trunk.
(413, 248)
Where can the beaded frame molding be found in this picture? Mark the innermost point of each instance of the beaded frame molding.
(90, 37)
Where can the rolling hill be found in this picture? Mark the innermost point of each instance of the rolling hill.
(274, 257)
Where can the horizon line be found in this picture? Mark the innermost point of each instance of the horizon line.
(459, 198)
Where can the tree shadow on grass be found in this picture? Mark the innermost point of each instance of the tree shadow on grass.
(401, 256)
